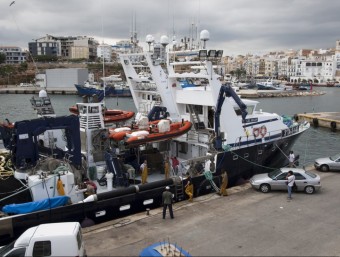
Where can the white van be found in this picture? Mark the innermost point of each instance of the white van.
(52, 239)
(26, 85)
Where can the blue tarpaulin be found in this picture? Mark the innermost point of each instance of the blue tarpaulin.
(45, 204)
(163, 247)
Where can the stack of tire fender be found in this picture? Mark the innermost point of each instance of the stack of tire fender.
(6, 167)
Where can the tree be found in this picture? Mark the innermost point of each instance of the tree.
(240, 72)
(2, 58)
(23, 67)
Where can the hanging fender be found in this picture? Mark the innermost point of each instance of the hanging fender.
(263, 131)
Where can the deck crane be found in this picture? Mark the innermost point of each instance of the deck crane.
(226, 91)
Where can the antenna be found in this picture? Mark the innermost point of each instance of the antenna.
(103, 55)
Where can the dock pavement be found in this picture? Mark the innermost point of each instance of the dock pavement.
(244, 223)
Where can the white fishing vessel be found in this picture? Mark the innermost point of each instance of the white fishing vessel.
(228, 132)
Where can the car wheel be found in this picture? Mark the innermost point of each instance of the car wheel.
(265, 188)
(309, 190)
(324, 168)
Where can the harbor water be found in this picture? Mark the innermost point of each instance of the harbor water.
(316, 142)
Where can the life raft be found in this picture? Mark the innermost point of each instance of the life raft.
(110, 115)
(134, 137)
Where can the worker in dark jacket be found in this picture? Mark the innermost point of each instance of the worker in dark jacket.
(167, 202)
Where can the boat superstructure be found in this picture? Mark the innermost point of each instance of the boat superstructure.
(249, 145)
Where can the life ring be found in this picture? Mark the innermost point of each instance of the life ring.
(256, 132)
(333, 125)
(315, 122)
(263, 131)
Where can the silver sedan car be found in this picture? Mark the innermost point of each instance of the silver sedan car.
(276, 180)
(328, 163)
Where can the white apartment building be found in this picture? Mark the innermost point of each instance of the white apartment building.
(104, 51)
(79, 47)
(14, 55)
(337, 61)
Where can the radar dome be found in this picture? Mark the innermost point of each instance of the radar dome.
(149, 38)
(204, 35)
(42, 93)
(164, 40)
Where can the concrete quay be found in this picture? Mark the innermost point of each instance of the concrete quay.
(245, 223)
(323, 119)
(35, 90)
(253, 93)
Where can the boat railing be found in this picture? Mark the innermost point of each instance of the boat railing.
(243, 141)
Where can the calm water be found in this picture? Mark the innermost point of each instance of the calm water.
(312, 144)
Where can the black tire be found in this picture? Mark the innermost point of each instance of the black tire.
(309, 190)
(315, 122)
(296, 117)
(333, 125)
(324, 168)
(265, 188)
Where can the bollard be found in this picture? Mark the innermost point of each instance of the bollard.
(148, 211)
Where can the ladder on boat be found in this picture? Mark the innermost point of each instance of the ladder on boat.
(179, 189)
(195, 117)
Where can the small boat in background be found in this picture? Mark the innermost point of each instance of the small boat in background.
(118, 90)
(270, 85)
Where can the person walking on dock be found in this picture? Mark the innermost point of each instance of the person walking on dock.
(144, 171)
(290, 183)
(167, 202)
(223, 189)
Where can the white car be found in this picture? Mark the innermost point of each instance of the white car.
(328, 163)
(276, 180)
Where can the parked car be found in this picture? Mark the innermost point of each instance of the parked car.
(51, 239)
(276, 180)
(328, 163)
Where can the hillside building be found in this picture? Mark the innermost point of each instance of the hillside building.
(14, 54)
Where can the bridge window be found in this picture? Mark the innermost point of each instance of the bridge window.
(94, 109)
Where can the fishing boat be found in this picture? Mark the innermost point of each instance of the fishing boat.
(116, 90)
(113, 84)
(88, 176)
(110, 115)
(270, 85)
(228, 133)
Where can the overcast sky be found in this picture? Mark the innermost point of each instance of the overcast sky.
(236, 26)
